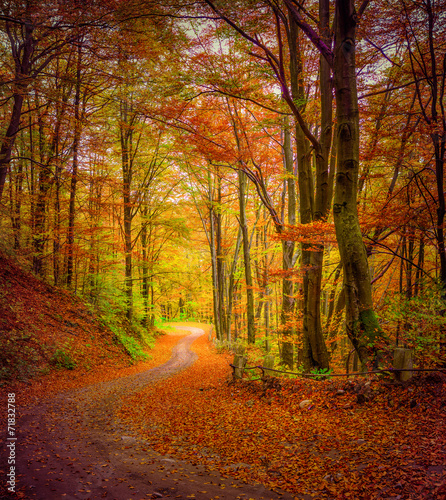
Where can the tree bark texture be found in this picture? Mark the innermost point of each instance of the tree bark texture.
(361, 321)
(314, 196)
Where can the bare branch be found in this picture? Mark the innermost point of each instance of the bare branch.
(363, 7)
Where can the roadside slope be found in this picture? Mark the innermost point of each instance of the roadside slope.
(50, 340)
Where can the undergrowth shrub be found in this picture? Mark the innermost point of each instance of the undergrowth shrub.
(110, 305)
(21, 356)
(419, 323)
(62, 359)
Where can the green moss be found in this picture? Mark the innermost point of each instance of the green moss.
(62, 359)
(369, 326)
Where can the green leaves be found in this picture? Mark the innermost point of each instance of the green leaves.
(61, 359)
(323, 372)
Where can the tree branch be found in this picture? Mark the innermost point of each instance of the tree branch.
(312, 35)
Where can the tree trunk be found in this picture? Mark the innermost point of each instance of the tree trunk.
(246, 259)
(44, 184)
(361, 322)
(74, 171)
(145, 264)
(288, 300)
(232, 284)
(220, 263)
(315, 195)
(126, 137)
(213, 249)
(16, 205)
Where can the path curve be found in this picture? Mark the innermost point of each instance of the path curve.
(73, 447)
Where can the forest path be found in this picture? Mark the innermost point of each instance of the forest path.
(73, 447)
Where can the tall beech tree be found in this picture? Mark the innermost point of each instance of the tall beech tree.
(361, 322)
(315, 197)
(235, 119)
(79, 110)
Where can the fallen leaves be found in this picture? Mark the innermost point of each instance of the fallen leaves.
(331, 447)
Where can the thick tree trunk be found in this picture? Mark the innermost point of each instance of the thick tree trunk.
(439, 143)
(361, 321)
(314, 196)
(315, 350)
(9, 139)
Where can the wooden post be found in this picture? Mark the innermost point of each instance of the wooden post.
(402, 360)
(268, 362)
(239, 349)
(239, 363)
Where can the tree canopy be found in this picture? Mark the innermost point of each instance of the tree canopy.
(272, 167)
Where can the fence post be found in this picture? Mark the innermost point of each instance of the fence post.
(402, 360)
(239, 363)
(268, 362)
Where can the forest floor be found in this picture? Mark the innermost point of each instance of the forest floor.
(183, 429)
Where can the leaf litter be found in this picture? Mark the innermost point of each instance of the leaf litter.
(392, 446)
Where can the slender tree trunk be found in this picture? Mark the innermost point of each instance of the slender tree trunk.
(44, 184)
(126, 137)
(418, 276)
(145, 264)
(288, 300)
(57, 220)
(246, 259)
(75, 166)
(16, 205)
(220, 263)
(213, 249)
(231, 284)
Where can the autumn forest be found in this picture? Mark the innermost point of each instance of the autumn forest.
(256, 165)
(272, 170)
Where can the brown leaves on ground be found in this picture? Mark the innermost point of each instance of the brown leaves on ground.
(390, 447)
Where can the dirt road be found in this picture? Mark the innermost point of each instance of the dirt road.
(73, 447)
